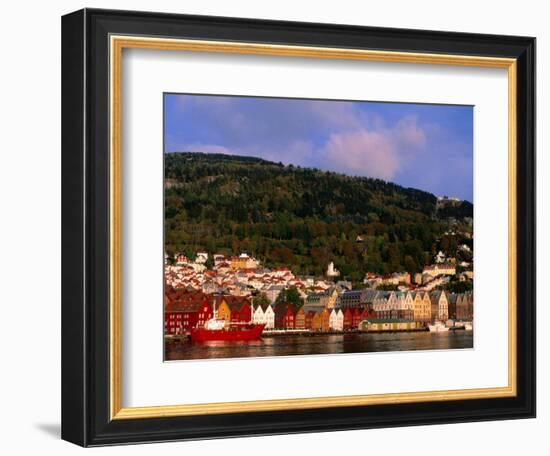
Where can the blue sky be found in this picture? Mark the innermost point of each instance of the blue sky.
(429, 147)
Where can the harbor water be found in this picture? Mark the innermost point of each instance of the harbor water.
(318, 344)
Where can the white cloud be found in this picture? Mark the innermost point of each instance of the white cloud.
(339, 136)
(379, 152)
(362, 153)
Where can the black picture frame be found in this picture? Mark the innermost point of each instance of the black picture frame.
(85, 228)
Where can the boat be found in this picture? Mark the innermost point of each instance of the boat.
(438, 326)
(468, 326)
(217, 329)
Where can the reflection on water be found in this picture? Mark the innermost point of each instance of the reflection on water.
(319, 344)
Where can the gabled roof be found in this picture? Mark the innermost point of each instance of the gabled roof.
(263, 306)
(182, 300)
(435, 295)
(312, 308)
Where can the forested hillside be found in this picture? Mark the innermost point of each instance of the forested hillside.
(301, 218)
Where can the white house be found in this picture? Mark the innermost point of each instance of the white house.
(380, 305)
(336, 320)
(265, 315)
(269, 316)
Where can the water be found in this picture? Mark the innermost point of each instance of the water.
(319, 344)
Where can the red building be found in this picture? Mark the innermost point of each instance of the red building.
(284, 316)
(184, 310)
(358, 317)
(348, 319)
(241, 310)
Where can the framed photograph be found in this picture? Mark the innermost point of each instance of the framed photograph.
(278, 227)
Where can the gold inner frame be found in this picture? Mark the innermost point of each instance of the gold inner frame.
(117, 44)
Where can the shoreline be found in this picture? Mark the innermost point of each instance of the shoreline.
(276, 334)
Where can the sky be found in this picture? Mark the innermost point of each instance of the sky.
(429, 147)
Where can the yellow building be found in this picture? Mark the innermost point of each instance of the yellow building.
(316, 322)
(389, 324)
(243, 261)
(422, 307)
(224, 311)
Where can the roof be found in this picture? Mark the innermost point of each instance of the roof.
(452, 298)
(234, 302)
(312, 308)
(182, 300)
(435, 295)
(264, 306)
(370, 294)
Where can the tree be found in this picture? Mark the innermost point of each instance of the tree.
(260, 300)
(290, 296)
(209, 262)
(301, 218)
(458, 287)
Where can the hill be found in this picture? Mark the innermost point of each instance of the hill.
(298, 217)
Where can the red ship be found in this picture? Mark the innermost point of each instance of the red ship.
(217, 329)
(232, 333)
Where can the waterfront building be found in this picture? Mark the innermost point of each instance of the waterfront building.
(356, 298)
(388, 324)
(236, 309)
(325, 320)
(440, 306)
(350, 299)
(310, 315)
(405, 308)
(326, 298)
(393, 305)
(316, 322)
(358, 316)
(263, 314)
(348, 319)
(258, 317)
(451, 304)
(241, 309)
(465, 306)
(381, 306)
(422, 307)
(184, 310)
(284, 316)
(336, 320)
(300, 319)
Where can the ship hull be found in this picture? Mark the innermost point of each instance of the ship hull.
(232, 334)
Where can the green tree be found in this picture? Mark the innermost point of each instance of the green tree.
(290, 296)
(260, 300)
